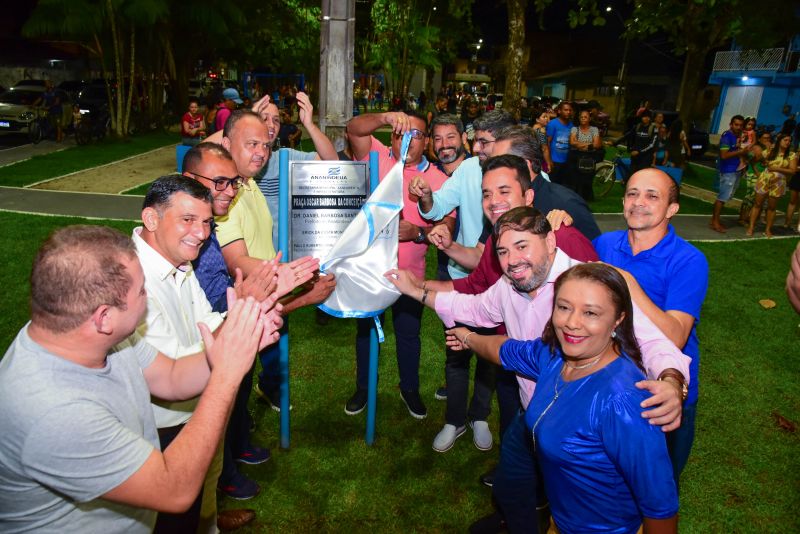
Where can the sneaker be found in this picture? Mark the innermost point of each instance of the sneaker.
(271, 397)
(356, 403)
(481, 435)
(487, 479)
(414, 404)
(240, 488)
(441, 393)
(253, 455)
(447, 437)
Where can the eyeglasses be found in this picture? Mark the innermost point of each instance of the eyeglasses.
(221, 183)
(417, 134)
(483, 142)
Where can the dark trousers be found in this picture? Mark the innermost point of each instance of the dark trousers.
(508, 403)
(559, 174)
(406, 317)
(516, 481)
(188, 521)
(679, 442)
(269, 379)
(456, 372)
(237, 433)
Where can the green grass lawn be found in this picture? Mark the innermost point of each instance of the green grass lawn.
(743, 475)
(78, 158)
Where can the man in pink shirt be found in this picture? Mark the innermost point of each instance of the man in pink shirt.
(523, 300)
(406, 312)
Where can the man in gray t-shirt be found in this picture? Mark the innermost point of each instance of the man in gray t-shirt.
(79, 450)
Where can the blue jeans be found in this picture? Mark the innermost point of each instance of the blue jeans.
(679, 442)
(508, 404)
(406, 318)
(516, 480)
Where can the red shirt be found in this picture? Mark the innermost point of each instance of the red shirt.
(488, 271)
(195, 121)
(410, 255)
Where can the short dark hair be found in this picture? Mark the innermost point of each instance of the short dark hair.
(624, 339)
(160, 193)
(194, 157)
(193, 99)
(564, 103)
(646, 113)
(510, 161)
(493, 121)
(78, 269)
(521, 219)
(235, 117)
(736, 117)
(447, 119)
(417, 115)
(523, 144)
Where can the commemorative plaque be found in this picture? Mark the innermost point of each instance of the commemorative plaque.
(324, 196)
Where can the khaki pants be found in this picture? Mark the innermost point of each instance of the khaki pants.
(208, 509)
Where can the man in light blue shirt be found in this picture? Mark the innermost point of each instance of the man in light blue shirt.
(463, 189)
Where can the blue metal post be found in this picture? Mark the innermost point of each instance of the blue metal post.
(372, 388)
(283, 246)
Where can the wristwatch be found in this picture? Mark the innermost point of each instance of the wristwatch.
(420, 236)
(676, 378)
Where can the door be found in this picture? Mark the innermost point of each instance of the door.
(740, 100)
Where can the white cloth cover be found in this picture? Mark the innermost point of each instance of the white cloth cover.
(366, 250)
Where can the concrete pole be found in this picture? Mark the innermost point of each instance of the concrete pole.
(337, 44)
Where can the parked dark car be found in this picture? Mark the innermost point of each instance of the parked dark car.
(31, 83)
(93, 103)
(697, 138)
(73, 87)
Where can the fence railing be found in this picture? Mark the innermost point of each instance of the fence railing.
(742, 60)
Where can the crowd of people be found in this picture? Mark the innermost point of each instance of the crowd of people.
(121, 415)
(769, 167)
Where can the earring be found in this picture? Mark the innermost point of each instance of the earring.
(613, 334)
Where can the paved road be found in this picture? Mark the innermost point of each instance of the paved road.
(127, 207)
(16, 147)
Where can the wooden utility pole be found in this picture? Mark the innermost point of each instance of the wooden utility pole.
(337, 43)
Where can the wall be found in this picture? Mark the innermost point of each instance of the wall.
(772, 102)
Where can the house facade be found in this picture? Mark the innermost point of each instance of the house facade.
(764, 84)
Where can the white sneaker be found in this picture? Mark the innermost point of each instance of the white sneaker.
(446, 437)
(481, 435)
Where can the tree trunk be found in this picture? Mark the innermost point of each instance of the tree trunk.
(132, 75)
(690, 83)
(515, 55)
(116, 111)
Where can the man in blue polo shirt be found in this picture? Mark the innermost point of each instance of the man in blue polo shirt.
(558, 138)
(667, 278)
(730, 150)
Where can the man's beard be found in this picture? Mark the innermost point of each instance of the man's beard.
(535, 281)
(459, 151)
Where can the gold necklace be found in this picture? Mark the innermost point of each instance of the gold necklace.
(585, 365)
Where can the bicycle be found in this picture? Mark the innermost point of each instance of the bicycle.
(40, 127)
(93, 124)
(606, 173)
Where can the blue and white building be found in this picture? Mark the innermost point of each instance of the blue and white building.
(757, 83)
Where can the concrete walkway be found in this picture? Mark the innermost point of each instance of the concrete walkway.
(68, 203)
(128, 207)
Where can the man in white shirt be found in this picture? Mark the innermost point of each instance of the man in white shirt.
(176, 221)
(79, 450)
